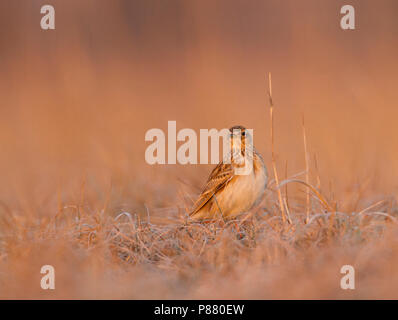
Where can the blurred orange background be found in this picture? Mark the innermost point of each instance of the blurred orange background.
(76, 101)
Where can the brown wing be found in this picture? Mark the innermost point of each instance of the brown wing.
(218, 178)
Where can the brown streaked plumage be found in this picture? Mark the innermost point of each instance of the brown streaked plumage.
(227, 194)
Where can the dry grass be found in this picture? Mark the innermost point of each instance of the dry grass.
(132, 256)
(76, 193)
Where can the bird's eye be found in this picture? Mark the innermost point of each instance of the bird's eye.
(243, 133)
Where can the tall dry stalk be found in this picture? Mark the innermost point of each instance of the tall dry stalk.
(307, 178)
(271, 103)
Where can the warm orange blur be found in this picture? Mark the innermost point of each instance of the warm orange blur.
(76, 103)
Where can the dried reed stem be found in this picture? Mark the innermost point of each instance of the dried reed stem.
(318, 177)
(281, 204)
(307, 178)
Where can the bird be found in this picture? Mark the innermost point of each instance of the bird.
(228, 194)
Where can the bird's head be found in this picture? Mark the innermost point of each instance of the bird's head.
(240, 139)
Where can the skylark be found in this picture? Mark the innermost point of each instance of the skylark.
(228, 194)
